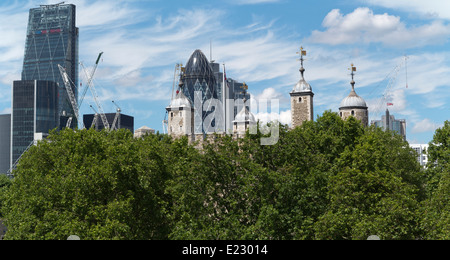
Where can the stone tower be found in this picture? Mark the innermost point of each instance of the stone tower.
(180, 115)
(354, 105)
(302, 98)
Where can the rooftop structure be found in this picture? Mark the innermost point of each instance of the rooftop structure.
(143, 131)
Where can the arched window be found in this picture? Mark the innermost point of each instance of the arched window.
(353, 112)
(300, 100)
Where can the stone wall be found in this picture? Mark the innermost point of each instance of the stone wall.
(301, 109)
(359, 113)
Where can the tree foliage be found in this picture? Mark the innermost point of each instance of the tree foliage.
(328, 179)
(436, 215)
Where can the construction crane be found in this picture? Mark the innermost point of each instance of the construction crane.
(68, 84)
(386, 99)
(95, 119)
(116, 118)
(178, 73)
(89, 78)
(94, 94)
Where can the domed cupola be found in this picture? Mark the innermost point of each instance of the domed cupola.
(354, 105)
(302, 85)
(353, 100)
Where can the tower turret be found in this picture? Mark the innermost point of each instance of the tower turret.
(302, 98)
(180, 114)
(354, 105)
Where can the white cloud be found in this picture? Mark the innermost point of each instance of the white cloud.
(284, 117)
(363, 26)
(426, 125)
(427, 9)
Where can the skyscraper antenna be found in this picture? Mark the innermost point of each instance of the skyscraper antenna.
(210, 51)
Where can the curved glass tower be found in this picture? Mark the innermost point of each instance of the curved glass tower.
(200, 86)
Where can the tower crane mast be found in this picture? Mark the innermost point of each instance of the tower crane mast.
(392, 78)
(70, 93)
(116, 118)
(94, 94)
(90, 78)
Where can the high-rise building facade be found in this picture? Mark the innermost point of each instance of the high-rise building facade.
(200, 87)
(34, 111)
(121, 121)
(52, 39)
(422, 153)
(388, 122)
(233, 93)
(5, 142)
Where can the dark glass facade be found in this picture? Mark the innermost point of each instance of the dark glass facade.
(199, 76)
(34, 110)
(5, 141)
(123, 121)
(52, 39)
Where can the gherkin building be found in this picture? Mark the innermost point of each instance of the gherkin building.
(200, 86)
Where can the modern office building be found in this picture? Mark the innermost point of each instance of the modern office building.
(388, 122)
(122, 122)
(200, 87)
(421, 150)
(52, 39)
(233, 92)
(34, 113)
(5, 143)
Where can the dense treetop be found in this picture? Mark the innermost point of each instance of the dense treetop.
(328, 179)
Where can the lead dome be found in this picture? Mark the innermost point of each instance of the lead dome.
(353, 100)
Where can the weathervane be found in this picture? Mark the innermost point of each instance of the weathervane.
(302, 53)
(245, 88)
(352, 69)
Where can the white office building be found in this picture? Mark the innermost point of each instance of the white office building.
(422, 156)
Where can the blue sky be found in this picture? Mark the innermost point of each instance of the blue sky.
(142, 42)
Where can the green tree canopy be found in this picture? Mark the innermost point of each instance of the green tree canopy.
(327, 179)
(436, 215)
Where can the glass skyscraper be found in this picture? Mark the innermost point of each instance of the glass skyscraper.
(388, 122)
(199, 78)
(34, 111)
(52, 39)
